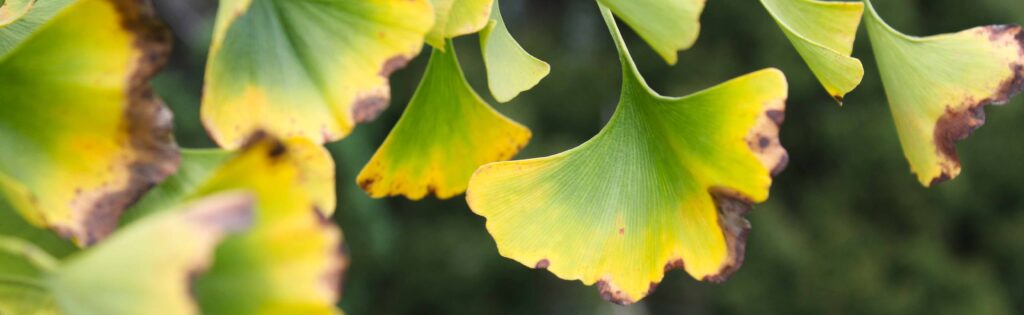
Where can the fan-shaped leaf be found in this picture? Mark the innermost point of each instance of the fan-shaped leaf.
(289, 262)
(454, 18)
(937, 87)
(823, 33)
(510, 69)
(446, 132)
(147, 268)
(667, 181)
(667, 25)
(306, 68)
(83, 134)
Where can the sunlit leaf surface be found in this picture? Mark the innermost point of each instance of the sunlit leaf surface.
(664, 185)
(445, 133)
(82, 133)
(510, 69)
(667, 25)
(306, 68)
(823, 33)
(938, 85)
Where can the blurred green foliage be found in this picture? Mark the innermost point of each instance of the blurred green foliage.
(847, 230)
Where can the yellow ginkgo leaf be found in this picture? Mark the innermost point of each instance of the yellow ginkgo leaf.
(306, 68)
(82, 133)
(446, 132)
(148, 267)
(937, 87)
(290, 261)
(664, 185)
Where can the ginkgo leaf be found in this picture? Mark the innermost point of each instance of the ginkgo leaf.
(453, 18)
(510, 69)
(823, 33)
(289, 262)
(13, 10)
(148, 267)
(82, 132)
(308, 68)
(666, 181)
(20, 24)
(937, 87)
(445, 133)
(667, 25)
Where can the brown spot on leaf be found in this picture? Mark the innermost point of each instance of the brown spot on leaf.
(675, 264)
(333, 276)
(622, 231)
(147, 122)
(961, 120)
(763, 138)
(612, 293)
(732, 207)
(542, 264)
(369, 107)
(393, 64)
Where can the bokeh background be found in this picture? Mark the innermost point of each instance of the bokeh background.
(847, 230)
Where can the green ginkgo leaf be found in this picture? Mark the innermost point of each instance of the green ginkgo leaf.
(454, 18)
(82, 133)
(307, 68)
(667, 25)
(510, 69)
(18, 24)
(666, 181)
(937, 87)
(22, 268)
(289, 262)
(823, 33)
(148, 267)
(445, 133)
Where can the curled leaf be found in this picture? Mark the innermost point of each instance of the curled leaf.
(510, 69)
(25, 23)
(666, 181)
(445, 133)
(937, 87)
(667, 25)
(453, 18)
(83, 134)
(823, 33)
(306, 68)
(290, 261)
(148, 267)
(13, 10)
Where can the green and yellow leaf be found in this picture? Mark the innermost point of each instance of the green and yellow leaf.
(667, 25)
(445, 133)
(937, 87)
(306, 68)
(148, 267)
(453, 18)
(289, 262)
(823, 33)
(21, 20)
(666, 181)
(510, 69)
(83, 134)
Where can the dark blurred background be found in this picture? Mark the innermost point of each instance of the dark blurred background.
(847, 230)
